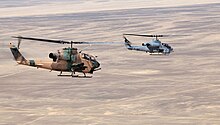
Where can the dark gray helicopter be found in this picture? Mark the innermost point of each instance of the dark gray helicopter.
(155, 46)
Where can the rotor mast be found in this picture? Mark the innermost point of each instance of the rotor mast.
(71, 44)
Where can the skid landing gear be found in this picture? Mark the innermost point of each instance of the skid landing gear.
(60, 73)
(81, 76)
(73, 75)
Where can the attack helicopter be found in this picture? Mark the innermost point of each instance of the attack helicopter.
(66, 60)
(155, 46)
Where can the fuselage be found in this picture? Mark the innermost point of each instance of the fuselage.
(154, 46)
(70, 61)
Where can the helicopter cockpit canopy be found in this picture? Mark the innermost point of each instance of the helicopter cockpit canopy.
(156, 41)
(166, 45)
(88, 57)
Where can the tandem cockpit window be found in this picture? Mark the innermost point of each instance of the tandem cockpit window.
(88, 57)
(157, 41)
(165, 44)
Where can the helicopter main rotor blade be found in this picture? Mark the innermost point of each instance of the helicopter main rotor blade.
(147, 35)
(43, 40)
(99, 43)
(65, 42)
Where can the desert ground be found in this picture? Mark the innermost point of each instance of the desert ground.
(132, 88)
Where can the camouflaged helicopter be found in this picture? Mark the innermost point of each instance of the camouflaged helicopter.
(67, 60)
(155, 46)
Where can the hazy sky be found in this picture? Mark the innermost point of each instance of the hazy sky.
(12, 8)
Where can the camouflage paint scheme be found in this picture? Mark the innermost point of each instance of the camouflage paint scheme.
(68, 60)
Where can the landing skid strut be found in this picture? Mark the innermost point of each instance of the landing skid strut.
(73, 75)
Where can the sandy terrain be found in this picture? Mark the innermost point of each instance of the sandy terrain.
(132, 87)
(35, 7)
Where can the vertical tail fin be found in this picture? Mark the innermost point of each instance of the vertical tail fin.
(127, 43)
(17, 55)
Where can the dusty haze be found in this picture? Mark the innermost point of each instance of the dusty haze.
(133, 87)
(36, 7)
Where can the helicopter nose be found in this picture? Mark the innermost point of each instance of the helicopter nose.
(171, 50)
(96, 64)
